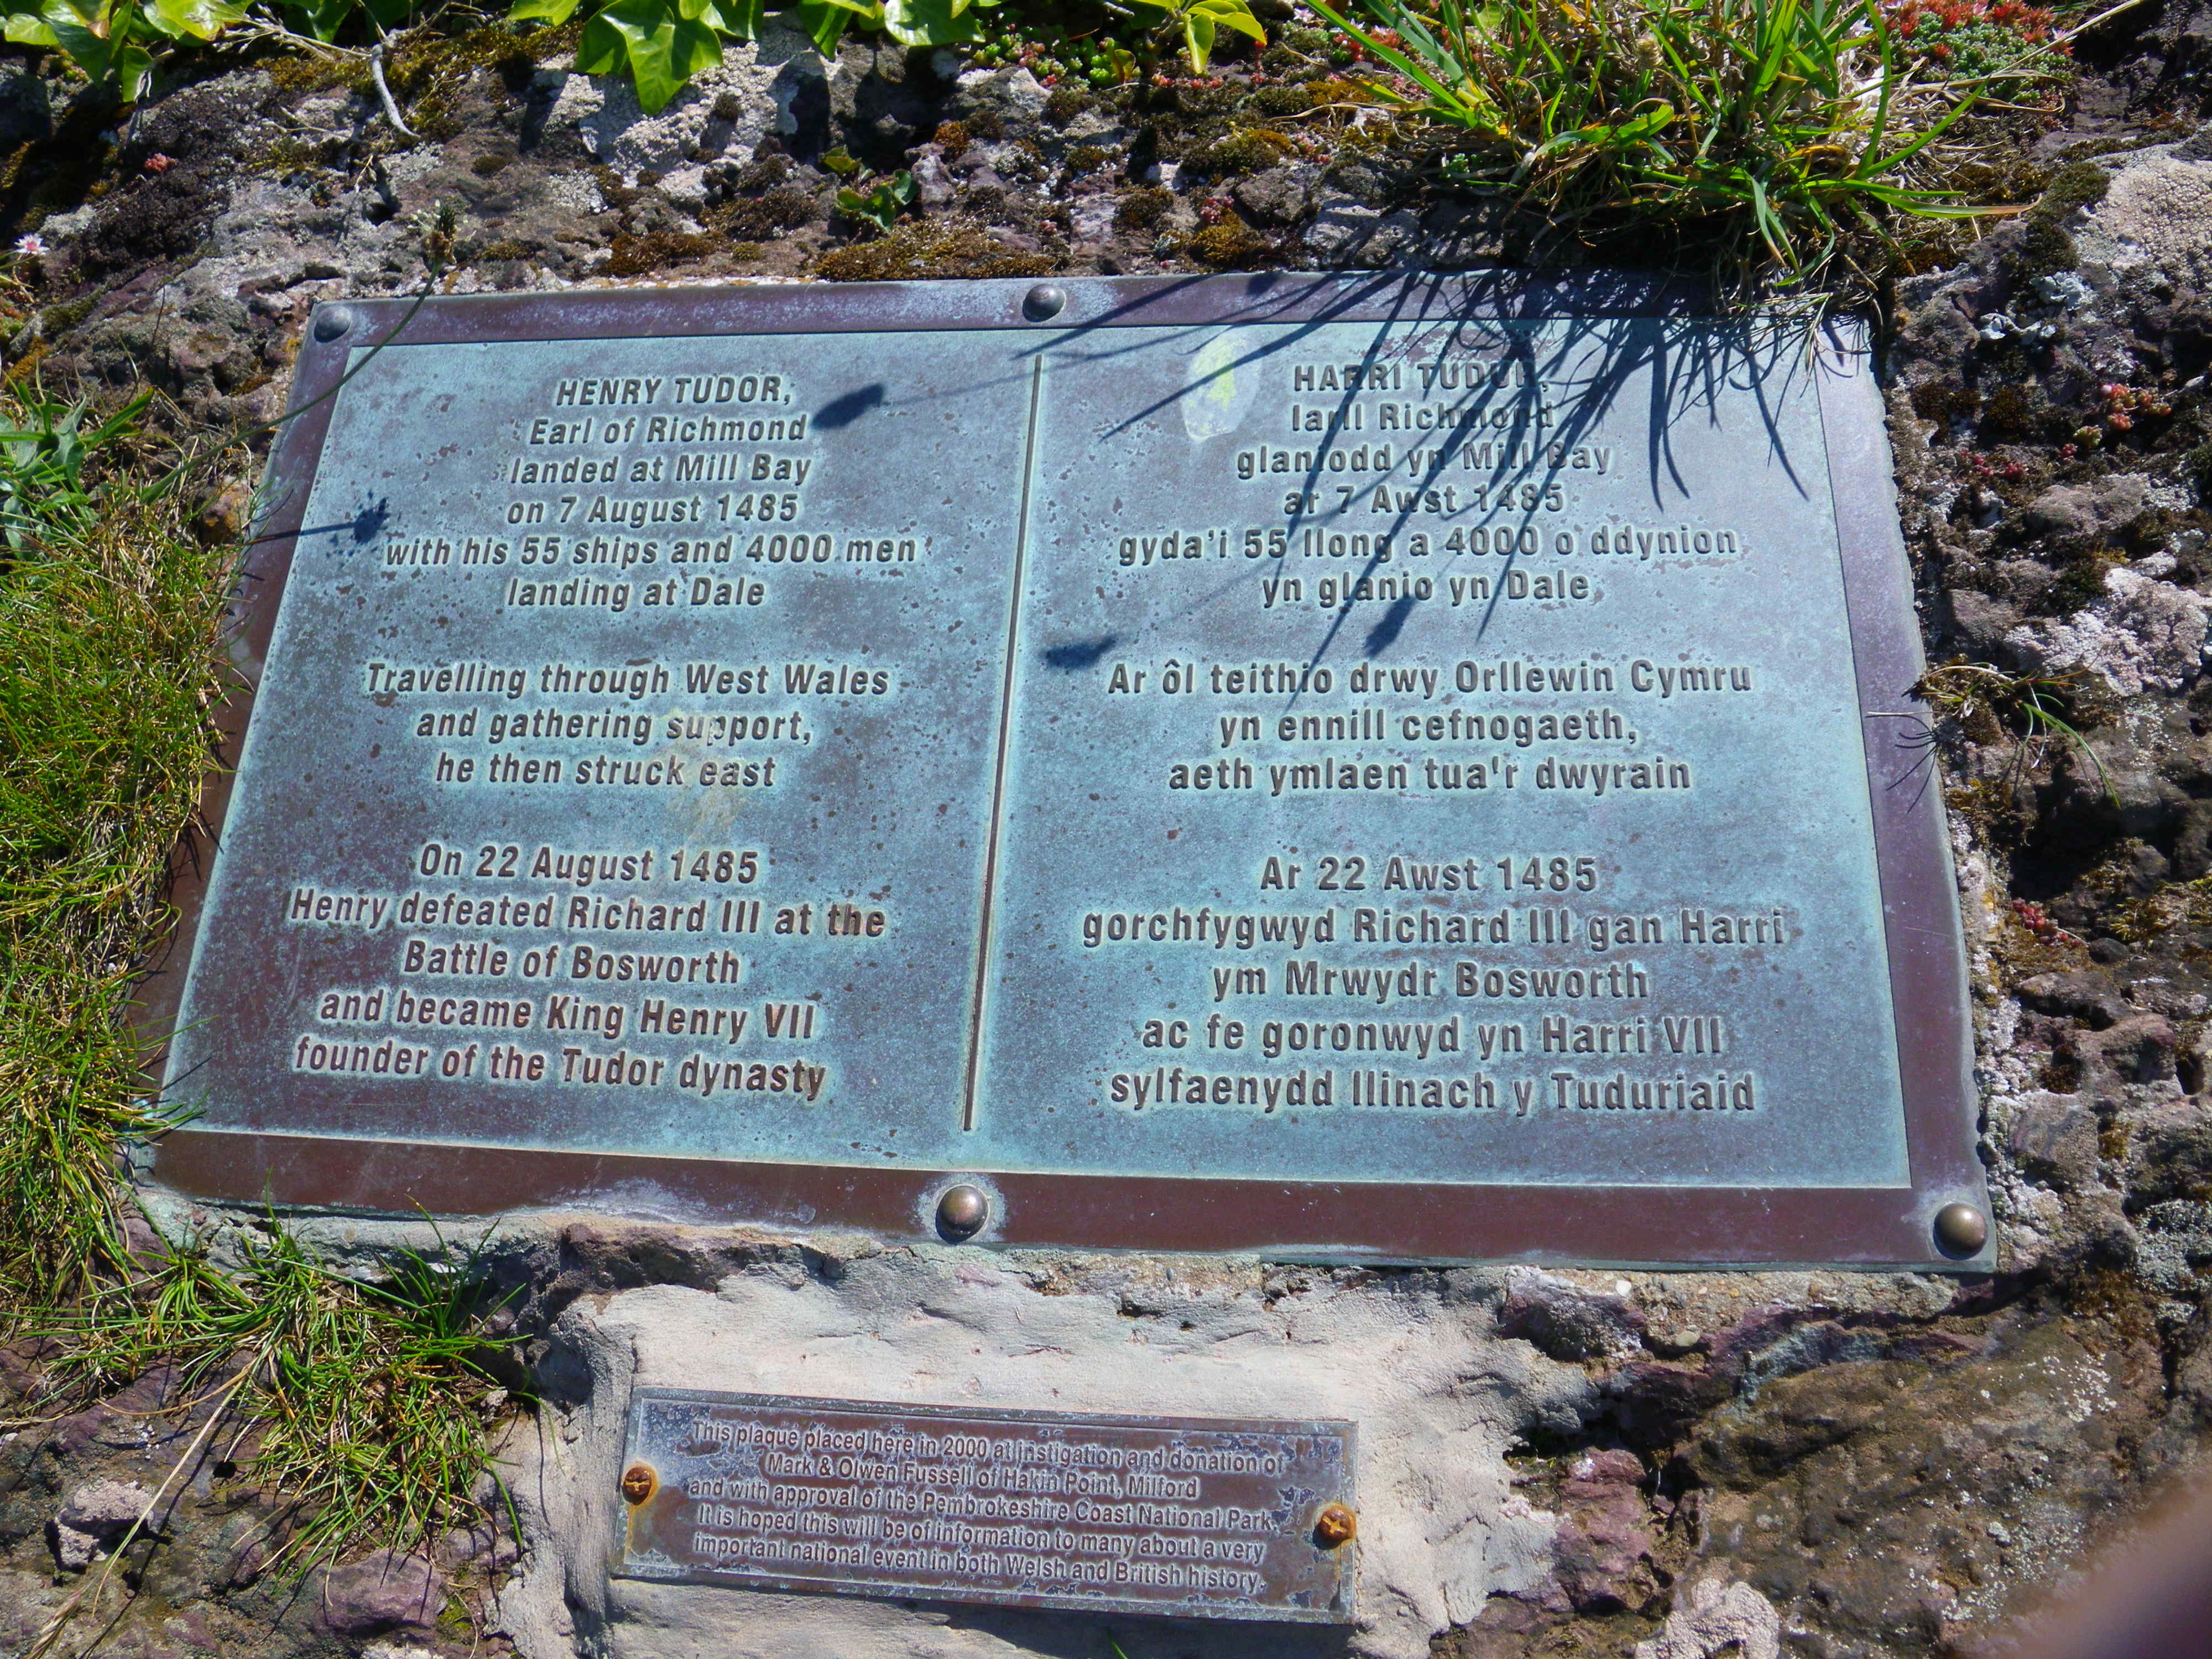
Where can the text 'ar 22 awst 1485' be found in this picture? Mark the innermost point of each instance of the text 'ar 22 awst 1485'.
(1297, 735)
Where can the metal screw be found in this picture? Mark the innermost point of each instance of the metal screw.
(1335, 1525)
(962, 1211)
(333, 321)
(1044, 301)
(639, 1483)
(1960, 1228)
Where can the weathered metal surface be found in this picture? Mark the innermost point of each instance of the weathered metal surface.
(1193, 1518)
(1417, 760)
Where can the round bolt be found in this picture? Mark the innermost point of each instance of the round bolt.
(1960, 1228)
(1043, 301)
(332, 322)
(962, 1211)
(1335, 1525)
(639, 1483)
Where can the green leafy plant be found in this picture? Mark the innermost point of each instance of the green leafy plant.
(115, 42)
(2033, 707)
(321, 20)
(881, 205)
(43, 488)
(355, 1381)
(1792, 119)
(664, 43)
(1197, 24)
(1041, 45)
(1979, 40)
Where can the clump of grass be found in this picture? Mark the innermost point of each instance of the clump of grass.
(367, 1402)
(111, 663)
(364, 1403)
(2034, 709)
(1787, 133)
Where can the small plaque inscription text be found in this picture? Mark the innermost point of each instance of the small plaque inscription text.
(1196, 1518)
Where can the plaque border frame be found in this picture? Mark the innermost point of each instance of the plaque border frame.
(1885, 1228)
(1340, 1614)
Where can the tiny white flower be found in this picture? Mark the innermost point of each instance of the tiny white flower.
(30, 247)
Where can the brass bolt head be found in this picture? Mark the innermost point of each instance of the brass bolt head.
(1044, 301)
(962, 1211)
(1335, 1525)
(639, 1483)
(333, 322)
(1960, 1228)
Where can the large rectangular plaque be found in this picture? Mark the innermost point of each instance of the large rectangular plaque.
(1193, 1518)
(1401, 767)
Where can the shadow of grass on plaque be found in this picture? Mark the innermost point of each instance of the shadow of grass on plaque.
(364, 1404)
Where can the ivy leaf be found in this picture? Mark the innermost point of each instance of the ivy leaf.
(24, 28)
(195, 20)
(741, 20)
(1232, 14)
(929, 22)
(826, 21)
(663, 48)
(319, 18)
(1197, 39)
(104, 51)
(554, 12)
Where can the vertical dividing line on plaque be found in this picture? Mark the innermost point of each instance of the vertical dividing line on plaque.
(986, 927)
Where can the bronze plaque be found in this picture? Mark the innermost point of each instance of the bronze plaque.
(1401, 767)
(1194, 1517)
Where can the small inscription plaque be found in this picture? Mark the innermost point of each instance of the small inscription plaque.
(800, 749)
(1198, 1518)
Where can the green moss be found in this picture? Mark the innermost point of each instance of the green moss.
(1941, 400)
(507, 248)
(1231, 244)
(1248, 151)
(617, 194)
(57, 320)
(785, 208)
(2043, 250)
(764, 174)
(2010, 412)
(2082, 583)
(300, 74)
(1065, 104)
(2077, 184)
(639, 256)
(1142, 208)
(2196, 467)
(1282, 100)
(485, 167)
(1086, 158)
(951, 139)
(929, 248)
(429, 73)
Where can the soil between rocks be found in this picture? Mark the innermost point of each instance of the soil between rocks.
(1841, 1466)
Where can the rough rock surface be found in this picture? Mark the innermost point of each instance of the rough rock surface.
(1828, 1465)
